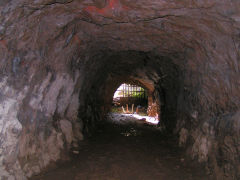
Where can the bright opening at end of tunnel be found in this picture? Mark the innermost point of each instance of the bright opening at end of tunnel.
(132, 102)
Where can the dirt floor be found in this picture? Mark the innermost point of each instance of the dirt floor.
(127, 149)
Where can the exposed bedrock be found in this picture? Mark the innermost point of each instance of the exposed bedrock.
(62, 60)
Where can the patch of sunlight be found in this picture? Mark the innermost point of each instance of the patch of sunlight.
(151, 120)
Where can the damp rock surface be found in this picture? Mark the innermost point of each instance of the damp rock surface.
(62, 60)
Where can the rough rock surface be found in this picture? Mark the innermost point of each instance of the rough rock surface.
(61, 60)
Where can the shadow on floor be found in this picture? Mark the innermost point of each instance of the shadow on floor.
(124, 148)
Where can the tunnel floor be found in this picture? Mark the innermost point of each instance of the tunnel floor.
(124, 148)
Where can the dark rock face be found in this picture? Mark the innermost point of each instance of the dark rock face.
(61, 61)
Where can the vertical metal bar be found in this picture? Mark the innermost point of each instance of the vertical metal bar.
(125, 90)
(130, 90)
(135, 90)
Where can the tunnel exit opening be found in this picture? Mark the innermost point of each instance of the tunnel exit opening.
(133, 100)
(130, 94)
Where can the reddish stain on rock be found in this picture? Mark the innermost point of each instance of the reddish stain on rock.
(112, 5)
(23, 63)
(76, 39)
(3, 43)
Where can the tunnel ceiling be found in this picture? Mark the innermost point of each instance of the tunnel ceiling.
(159, 26)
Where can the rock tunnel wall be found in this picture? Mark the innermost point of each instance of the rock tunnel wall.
(38, 123)
(59, 58)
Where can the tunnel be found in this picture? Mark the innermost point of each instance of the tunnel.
(62, 60)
